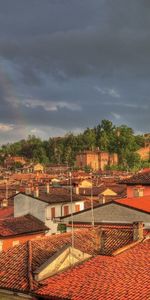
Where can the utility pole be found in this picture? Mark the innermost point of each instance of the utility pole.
(72, 229)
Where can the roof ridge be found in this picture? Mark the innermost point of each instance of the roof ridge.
(29, 265)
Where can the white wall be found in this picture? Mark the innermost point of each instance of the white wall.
(24, 204)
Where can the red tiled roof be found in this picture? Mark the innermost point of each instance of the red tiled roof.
(103, 225)
(30, 176)
(58, 195)
(6, 212)
(16, 262)
(142, 203)
(125, 276)
(139, 178)
(20, 225)
(19, 263)
(117, 188)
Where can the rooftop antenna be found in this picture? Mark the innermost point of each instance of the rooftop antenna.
(72, 229)
(92, 210)
(6, 191)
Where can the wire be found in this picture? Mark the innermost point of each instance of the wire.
(92, 210)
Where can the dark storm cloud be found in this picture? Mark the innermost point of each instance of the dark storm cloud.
(69, 64)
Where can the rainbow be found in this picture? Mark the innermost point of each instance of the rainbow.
(11, 96)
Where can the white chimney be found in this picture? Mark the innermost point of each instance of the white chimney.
(28, 190)
(47, 188)
(77, 190)
(36, 192)
(103, 199)
(138, 231)
(4, 203)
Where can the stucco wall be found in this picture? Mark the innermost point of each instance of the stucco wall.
(131, 188)
(111, 213)
(5, 244)
(24, 204)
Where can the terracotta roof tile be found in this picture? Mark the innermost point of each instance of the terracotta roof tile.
(139, 178)
(142, 203)
(95, 279)
(117, 188)
(14, 269)
(14, 263)
(57, 195)
(125, 276)
(114, 238)
(20, 225)
(6, 212)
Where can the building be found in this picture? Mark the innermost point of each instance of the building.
(138, 185)
(102, 193)
(47, 205)
(127, 210)
(147, 139)
(144, 153)
(96, 160)
(15, 231)
(12, 160)
(56, 168)
(33, 168)
(55, 268)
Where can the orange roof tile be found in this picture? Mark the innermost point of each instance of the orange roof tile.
(139, 178)
(125, 276)
(6, 212)
(19, 263)
(21, 225)
(142, 203)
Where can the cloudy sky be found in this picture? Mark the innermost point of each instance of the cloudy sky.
(67, 64)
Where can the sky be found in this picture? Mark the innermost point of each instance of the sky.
(67, 64)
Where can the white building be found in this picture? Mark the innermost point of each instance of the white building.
(54, 202)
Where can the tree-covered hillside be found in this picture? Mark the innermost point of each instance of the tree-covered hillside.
(105, 135)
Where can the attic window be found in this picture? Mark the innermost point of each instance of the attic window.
(138, 192)
(4, 203)
(15, 243)
(1, 246)
(66, 257)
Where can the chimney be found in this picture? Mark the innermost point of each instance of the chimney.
(36, 192)
(76, 190)
(137, 231)
(103, 199)
(28, 190)
(4, 203)
(47, 188)
(99, 240)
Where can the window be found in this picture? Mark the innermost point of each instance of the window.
(77, 207)
(141, 194)
(66, 210)
(52, 213)
(1, 245)
(15, 243)
(138, 192)
(4, 203)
